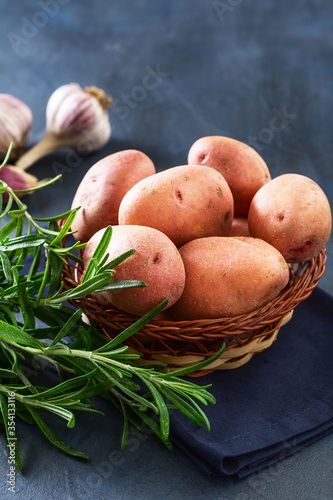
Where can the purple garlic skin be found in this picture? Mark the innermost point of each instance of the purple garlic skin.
(15, 124)
(17, 179)
(80, 116)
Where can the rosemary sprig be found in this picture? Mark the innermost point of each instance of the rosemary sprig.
(86, 363)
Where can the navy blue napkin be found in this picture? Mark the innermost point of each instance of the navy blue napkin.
(276, 404)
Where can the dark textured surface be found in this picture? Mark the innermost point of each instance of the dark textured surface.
(225, 68)
(274, 405)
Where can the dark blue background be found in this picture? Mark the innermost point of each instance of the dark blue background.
(227, 68)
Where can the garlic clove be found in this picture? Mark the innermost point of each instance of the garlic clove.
(15, 124)
(17, 179)
(75, 118)
(70, 110)
(95, 137)
(80, 116)
(56, 101)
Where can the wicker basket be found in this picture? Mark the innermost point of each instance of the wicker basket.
(182, 343)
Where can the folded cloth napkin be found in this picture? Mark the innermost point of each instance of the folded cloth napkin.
(271, 407)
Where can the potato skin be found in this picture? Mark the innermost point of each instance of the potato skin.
(184, 202)
(243, 168)
(228, 276)
(156, 262)
(293, 214)
(103, 187)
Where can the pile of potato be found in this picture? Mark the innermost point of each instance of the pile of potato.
(214, 236)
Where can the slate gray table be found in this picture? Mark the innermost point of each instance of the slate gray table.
(260, 72)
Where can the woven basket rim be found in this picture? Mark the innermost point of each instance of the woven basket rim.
(244, 335)
(303, 279)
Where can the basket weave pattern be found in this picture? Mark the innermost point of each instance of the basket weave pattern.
(182, 343)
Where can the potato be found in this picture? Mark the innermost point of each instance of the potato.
(184, 202)
(156, 261)
(103, 187)
(292, 213)
(227, 276)
(241, 166)
(239, 227)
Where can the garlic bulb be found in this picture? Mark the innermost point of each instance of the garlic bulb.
(17, 179)
(72, 112)
(75, 118)
(15, 124)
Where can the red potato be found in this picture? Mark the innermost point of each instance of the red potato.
(227, 276)
(185, 202)
(156, 261)
(243, 168)
(239, 227)
(293, 214)
(103, 187)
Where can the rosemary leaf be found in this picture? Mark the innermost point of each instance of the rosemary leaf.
(85, 363)
(55, 440)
